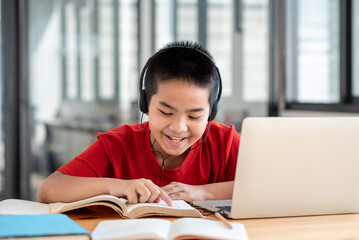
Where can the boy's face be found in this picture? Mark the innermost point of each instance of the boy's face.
(178, 115)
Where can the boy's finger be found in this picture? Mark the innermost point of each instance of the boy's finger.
(132, 197)
(177, 196)
(171, 188)
(164, 196)
(155, 191)
(144, 194)
(157, 200)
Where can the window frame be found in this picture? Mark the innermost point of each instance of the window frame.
(15, 104)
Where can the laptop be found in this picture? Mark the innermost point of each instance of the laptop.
(294, 167)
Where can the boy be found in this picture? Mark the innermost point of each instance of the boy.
(180, 153)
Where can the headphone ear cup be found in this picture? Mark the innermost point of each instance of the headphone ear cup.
(143, 101)
(213, 111)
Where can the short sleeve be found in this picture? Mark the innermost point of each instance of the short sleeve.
(228, 169)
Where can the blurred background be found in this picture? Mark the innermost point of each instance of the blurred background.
(70, 68)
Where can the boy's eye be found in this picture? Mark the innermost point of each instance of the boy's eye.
(194, 118)
(165, 113)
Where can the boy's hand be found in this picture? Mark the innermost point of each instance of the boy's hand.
(140, 191)
(183, 191)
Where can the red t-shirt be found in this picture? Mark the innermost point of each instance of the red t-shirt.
(125, 153)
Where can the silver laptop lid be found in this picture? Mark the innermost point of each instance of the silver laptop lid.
(297, 166)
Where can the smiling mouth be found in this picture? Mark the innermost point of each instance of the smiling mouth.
(175, 139)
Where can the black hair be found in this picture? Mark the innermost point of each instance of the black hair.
(186, 61)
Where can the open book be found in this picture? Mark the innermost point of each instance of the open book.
(120, 205)
(184, 228)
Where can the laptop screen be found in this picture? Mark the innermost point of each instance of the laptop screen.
(297, 166)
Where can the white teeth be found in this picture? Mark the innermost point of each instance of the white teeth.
(174, 139)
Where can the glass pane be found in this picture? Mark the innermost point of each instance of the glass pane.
(46, 82)
(106, 48)
(255, 50)
(314, 42)
(219, 39)
(128, 60)
(355, 48)
(87, 52)
(187, 20)
(165, 22)
(71, 50)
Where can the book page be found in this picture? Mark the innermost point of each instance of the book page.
(178, 204)
(119, 204)
(132, 229)
(206, 229)
(180, 209)
(18, 206)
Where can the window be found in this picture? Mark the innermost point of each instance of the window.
(321, 55)
(106, 41)
(219, 38)
(175, 20)
(71, 50)
(165, 22)
(90, 81)
(88, 53)
(255, 51)
(236, 34)
(313, 43)
(128, 59)
(186, 19)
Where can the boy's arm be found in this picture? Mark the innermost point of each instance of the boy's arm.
(59, 187)
(190, 193)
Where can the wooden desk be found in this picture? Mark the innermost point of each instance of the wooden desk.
(329, 227)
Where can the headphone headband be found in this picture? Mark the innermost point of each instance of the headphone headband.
(143, 98)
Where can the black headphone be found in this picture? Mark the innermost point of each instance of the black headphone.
(142, 102)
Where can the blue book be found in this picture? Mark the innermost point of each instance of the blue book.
(46, 226)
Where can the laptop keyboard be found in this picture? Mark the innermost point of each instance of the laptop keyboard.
(224, 208)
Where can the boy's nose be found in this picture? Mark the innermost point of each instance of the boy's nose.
(179, 125)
